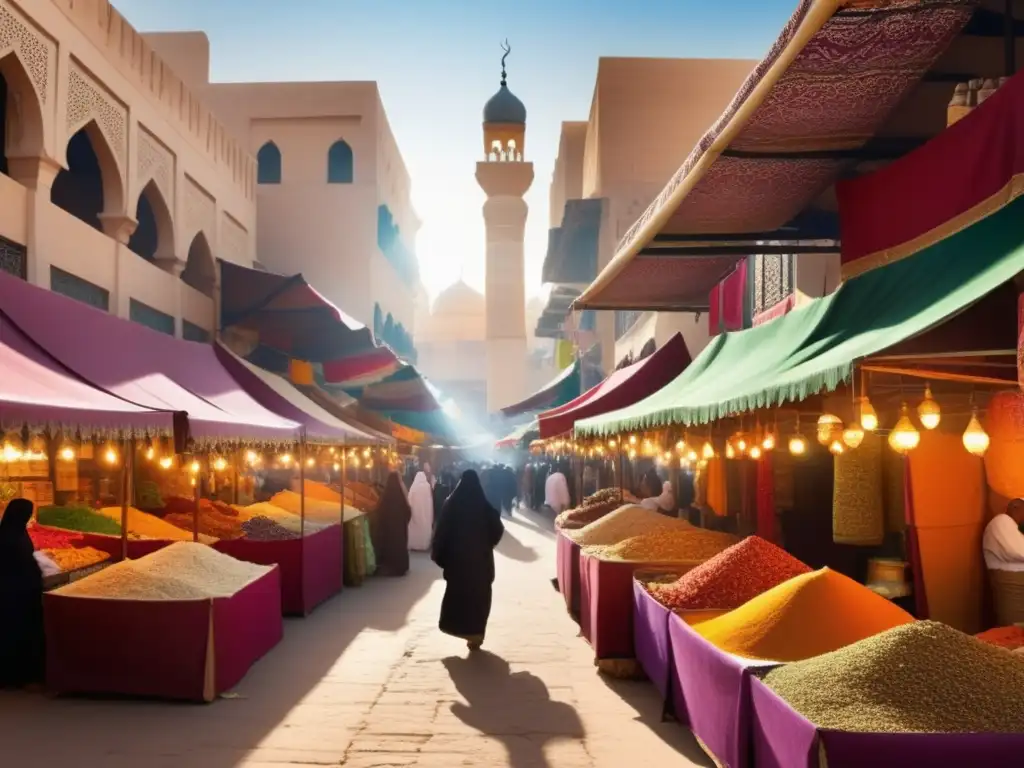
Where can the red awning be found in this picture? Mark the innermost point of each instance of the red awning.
(967, 172)
(623, 388)
(827, 86)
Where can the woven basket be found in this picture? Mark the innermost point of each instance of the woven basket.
(858, 514)
(1007, 596)
(895, 502)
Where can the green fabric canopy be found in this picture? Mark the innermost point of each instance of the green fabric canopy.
(814, 348)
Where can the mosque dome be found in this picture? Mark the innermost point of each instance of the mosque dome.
(504, 107)
(459, 313)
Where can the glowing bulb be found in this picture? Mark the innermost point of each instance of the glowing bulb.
(868, 417)
(11, 453)
(975, 438)
(681, 447)
(755, 452)
(632, 453)
(730, 452)
(310, 462)
(928, 411)
(355, 462)
(337, 466)
(369, 464)
(708, 452)
(252, 457)
(797, 445)
(691, 455)
(611, 444)
(366, 453)
(194, 467)
(769, 442)
(166, 462)
(904, 436)
(828, 426)
(702, 464)
(668, 455)
(836, 448)
(67, 453)
(150, 453)
(853, 435)
(332, 451)
(741, 445)
(632, 439)
(220, 464)
(192, 482)
(110, 456)
(286, 459)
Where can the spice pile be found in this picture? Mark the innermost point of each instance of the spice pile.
(285, 519)
(692, 545)
(78, 518)
(730, 578)
(144, 525)
(923, 677)
(623, 523)
(51, 538)
(76, 559)
(807, 616)
(317, 510)
(260, 528)
(1010, 638)
(181, 571)
(361, 496)
(215, 520)
(593, 508)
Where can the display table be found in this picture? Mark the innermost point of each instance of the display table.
(567, 563)
(606, 603)
(710, 692)
(782, 738)
(311, 567)
(170, 649)
(650, 633)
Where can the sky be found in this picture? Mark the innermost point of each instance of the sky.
(438, 61)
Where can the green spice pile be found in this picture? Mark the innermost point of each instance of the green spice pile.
(922, 677)
(77, 518)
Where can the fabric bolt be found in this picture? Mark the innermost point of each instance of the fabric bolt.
(421, 524)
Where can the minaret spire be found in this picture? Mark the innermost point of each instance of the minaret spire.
(504, 75)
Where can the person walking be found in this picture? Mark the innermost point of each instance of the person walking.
(468, 530)
(421, 500)
(389, 529)
(22, 638)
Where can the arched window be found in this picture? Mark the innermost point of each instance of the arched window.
(268, 164)
(200, 269)
(340, 163)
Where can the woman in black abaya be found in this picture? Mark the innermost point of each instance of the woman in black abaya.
(21, 600)
(389, 529)
(467, 532)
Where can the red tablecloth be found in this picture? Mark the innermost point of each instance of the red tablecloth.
(185, 649)
(311, 567)
(567, 563)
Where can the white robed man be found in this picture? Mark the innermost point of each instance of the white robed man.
(421, 524)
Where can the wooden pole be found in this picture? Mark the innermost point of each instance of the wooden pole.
(127, 448)
(922, 373)
(196, 498)
(302, 486)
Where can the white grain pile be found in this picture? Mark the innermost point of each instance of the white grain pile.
(181, 571)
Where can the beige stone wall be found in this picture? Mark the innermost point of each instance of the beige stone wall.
(567, 178)
(78, 64)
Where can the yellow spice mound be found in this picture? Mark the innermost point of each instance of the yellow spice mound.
(180, 571)
(280, 516)
(690, 544)
(625, 522)
(150, 526)
(315, 490)
(811, 614)
(317, 510)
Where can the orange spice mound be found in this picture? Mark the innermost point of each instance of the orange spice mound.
(812, 614)
(730, 578)
(1010, 638)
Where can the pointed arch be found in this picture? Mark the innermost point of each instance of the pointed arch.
(91, 184)
(22, 128)
(200, 269)
(268, 164)
(153, 238)
(340, 163)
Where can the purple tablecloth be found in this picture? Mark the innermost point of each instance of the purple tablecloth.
(567, 563)
(650, 638)
(782, 738)
(711, 694)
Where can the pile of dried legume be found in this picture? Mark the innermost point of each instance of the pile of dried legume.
(922, 677)
(623, 523)
(1010, 638)
(809, 615)
(214, 521)
(689, 544)
(280, 516)
(594, 507)
(180, 571)
(261, 528)
(730, 578)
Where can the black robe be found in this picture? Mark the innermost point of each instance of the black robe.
(467, 532)
(22, 638)
(389, 529)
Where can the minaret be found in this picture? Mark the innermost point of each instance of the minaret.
(504, 177)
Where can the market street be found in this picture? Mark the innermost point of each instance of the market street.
(367, 681)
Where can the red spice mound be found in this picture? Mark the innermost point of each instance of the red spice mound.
(730, 578)
(50, 538)
(1010, 638)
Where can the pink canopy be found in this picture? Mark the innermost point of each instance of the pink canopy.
(140, 365)
(37, 390)
(624, 387)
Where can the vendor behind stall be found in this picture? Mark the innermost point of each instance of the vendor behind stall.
(657, 496)
(1003, 543)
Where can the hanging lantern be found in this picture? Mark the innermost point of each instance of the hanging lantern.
(220, 464)
(110, 454)
(66, 452)
(741, 444)
(836, 448)
(681, 447)
(829, 428)
(194, 467)
(166, 462)
(611, 444)
(868, 417)
(755, 452)
(337, 466)
(904, 436)
(797, 445)
(853, 435)
(769, 441)
(929, 411)
(632, 439)
(13, 447)
(310, 462)
(975, 438)
(285, 459)
(730, 452)
(691, 455)
(708, 451)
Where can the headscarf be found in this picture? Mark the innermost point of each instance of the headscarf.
(15, 543)
(465, 526)
(469, 494)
